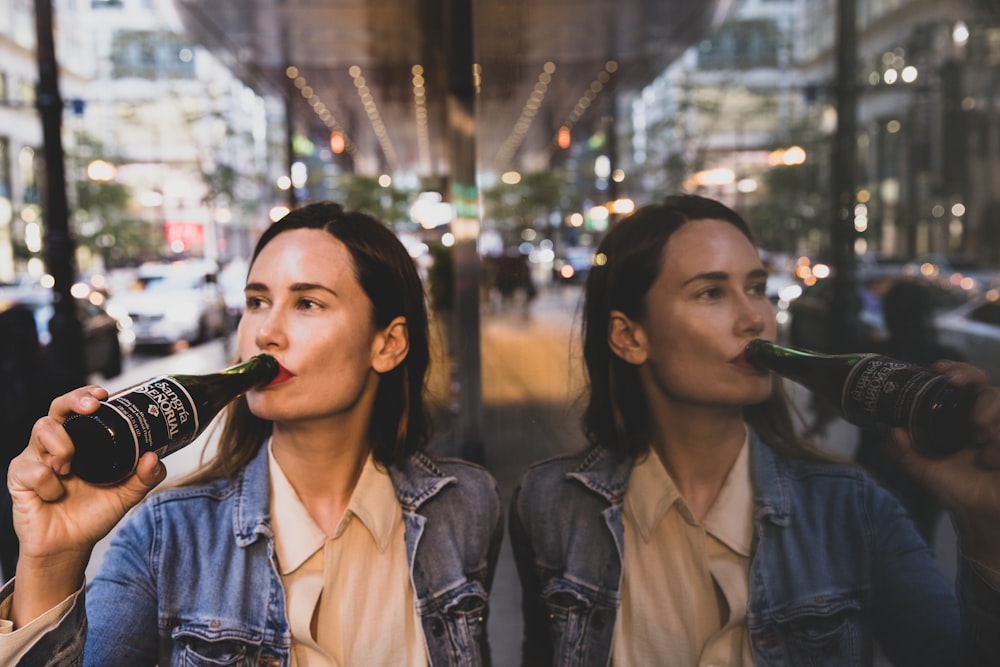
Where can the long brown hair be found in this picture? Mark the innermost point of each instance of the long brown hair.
(400, 424)
(626, 265)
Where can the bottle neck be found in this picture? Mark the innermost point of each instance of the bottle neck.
(262, 368)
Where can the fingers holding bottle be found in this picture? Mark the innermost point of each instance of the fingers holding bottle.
(54, 510)
(967, 482)
(59, 517)
(49, 443)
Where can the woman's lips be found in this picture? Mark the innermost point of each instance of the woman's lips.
(740, 361)
(283, 376)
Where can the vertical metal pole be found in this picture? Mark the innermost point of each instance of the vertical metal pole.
(844, 304)
(457, 18)
(290, 92)
(66, 346)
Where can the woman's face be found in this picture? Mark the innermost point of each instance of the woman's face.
(708, 301)
(305, 307)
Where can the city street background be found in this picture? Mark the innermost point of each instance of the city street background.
(531, 383)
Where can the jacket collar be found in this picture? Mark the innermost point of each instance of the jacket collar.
(415, 480)
(251, 515)
(606, 475)
(770, 488)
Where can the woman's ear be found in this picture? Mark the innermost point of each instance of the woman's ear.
(626, 338)
(391, 345)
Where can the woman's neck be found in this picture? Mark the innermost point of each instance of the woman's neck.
(698, 451)
(323, 467)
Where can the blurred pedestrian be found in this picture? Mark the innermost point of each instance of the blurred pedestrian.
(697, 528)
(908, 309)
(28, 383)
(319, 534)
(19, 355)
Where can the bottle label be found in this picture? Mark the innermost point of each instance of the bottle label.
(883, 389)
(159, 411)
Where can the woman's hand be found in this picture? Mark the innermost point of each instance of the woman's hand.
(968, 482)
(57, 516)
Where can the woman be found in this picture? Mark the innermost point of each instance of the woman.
(318, 535)
(697, 529)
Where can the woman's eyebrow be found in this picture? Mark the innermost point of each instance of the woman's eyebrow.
(295, 287)
(723, 275)
(308, 287)
(707, 275)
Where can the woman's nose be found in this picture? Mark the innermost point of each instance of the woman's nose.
(751, 316)
(270, 331)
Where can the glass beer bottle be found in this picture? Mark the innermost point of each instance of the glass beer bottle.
(874, 389)
(160, 415)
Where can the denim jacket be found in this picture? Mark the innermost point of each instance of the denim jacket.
(836, 565)
(191, 578)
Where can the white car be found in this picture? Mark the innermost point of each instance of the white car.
(974, 330)
(173, 302)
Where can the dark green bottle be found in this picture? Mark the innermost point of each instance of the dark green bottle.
(875, 389)
(160, 415)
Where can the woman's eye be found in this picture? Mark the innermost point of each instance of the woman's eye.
(710, 293)
(758, 289)
(308, 304)
(253, 302)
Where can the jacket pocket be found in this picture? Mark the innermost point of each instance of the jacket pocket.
(825, 632)
(581, 622)
(455, 624)
(195, 645)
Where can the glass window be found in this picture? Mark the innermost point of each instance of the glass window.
(151, 55)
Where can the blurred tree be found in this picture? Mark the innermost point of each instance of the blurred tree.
(791, 208)
(364, 193)
(529, 202)
(102, 220)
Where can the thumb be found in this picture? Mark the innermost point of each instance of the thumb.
(149, 472)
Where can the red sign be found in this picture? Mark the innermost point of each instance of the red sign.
(188, 233)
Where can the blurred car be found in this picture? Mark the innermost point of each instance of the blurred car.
(232, 280)
(175, 302)
(973, 328)
(810, 326)
(102, 333)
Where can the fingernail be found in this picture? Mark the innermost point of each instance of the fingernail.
(87, 401)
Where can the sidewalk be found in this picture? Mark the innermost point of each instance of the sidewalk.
(532, 377)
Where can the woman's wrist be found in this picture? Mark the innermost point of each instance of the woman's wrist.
(42, 583)
(979, 541)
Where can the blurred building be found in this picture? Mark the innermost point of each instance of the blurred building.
(712, 120)
(192, 140)
(21, 133)
(928, 119)
(187, 140)
(721, 121)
